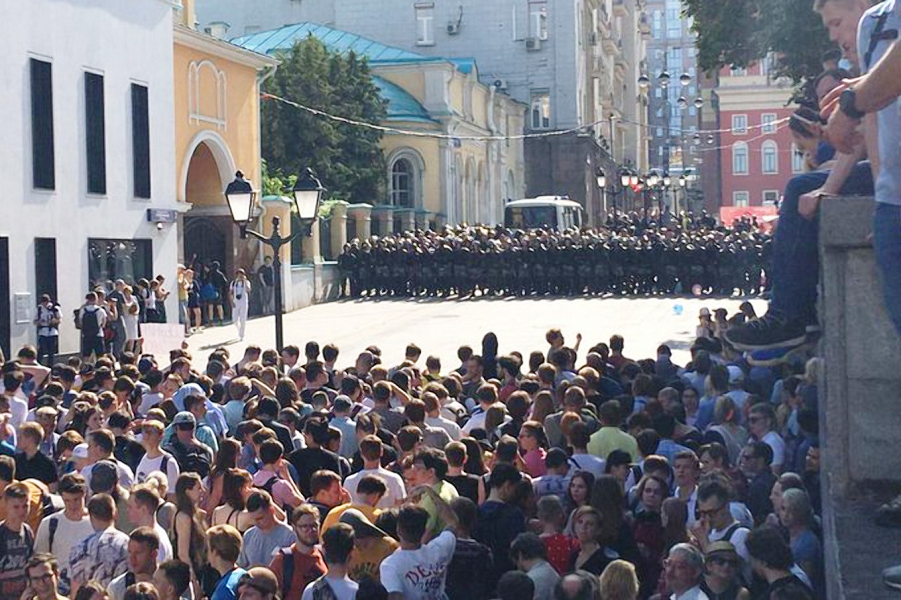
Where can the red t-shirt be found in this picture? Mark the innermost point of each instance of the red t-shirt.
(559, 551)
(307, 568)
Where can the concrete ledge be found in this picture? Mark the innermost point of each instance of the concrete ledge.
(858, 399)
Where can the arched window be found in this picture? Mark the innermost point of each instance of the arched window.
(402, 183)
(770, 155)
(740, 159)
(797, 160)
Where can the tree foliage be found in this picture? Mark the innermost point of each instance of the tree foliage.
(346, 158)
(740, 32)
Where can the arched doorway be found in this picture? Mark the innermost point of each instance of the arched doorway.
(208, 233)
(204, 238)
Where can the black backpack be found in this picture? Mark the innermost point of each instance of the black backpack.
(90, 322)
(192, 459)
(267, 487)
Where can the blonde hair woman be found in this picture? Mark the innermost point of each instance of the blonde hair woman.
(619, 581)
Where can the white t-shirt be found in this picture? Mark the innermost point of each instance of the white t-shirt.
(775, 441)
(68, 533)
(419, 574)
(588, 462)
(149, 400)
(394, 482)
(149, 465)
(19, 410)
(452, 429)
(344, 588)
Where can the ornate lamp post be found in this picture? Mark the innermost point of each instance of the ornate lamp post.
(306, 197)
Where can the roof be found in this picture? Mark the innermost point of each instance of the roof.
(544, 201)
(284, 38)
(402, 106)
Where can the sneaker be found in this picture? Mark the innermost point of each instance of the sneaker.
(891, 577)
(767, 333)
(889, 515)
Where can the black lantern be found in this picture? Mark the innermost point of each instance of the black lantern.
(241, 199)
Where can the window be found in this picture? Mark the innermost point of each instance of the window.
(425, 24)
(740, 159)
(673, 19)
(402, 182)
(538, 19)
(797, 160)
(770, 155)
(741, 198)
(95, 133)
(42, 148)
(45, 267)
(657, 25)
(771, 197)
(140, 140)
(768, 122)
(739, 124)
(658, 93)
(108, 260)
(660, 132)
(541, 110)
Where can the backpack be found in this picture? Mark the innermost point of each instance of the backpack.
(53, 524)
(209, 293)
(90, 322)
(287, 568)
(194, 460)
(267, 487)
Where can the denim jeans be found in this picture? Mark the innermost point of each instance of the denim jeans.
(795, 269)
(887, 242)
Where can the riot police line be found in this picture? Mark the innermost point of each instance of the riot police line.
(631, 258)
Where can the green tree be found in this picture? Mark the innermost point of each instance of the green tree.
(346, 158)
(740, 32)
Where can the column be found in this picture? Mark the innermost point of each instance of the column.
(407, 219)
(339, 228)
(362, 216)
(385, 216)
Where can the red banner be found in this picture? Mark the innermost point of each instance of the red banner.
(766, 215)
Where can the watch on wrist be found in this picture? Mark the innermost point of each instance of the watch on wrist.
(846, 104)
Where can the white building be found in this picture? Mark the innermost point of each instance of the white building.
(88, 134)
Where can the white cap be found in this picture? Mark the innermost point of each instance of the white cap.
(735, 374)
(80, 451)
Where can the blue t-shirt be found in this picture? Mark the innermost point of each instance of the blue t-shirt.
(227, 588)
(888, 180)
(825, 153)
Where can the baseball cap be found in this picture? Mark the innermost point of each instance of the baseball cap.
(184, 418)
(735, 373)
(362, 526)
(260, 579)
(618, 457)
(80, 451)
(705, 312)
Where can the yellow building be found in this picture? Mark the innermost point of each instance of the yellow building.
(217, 132)
(431, 180)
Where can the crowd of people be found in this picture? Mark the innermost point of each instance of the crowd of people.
(559, 473)
(632, 256)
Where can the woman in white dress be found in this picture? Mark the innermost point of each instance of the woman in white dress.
(239, 290)
(132, 313)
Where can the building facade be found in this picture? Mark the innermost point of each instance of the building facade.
(574, 64)
(88, 150)
(441, 172)
(673, 116)
(217, 132)
(757, 157)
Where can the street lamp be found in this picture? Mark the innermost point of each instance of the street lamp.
(663, 79)
(601, 178)
(306, 197)
(644, 82)
(699, 103)
(685, 79)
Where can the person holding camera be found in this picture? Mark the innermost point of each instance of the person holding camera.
(239, 293)
(47, 321)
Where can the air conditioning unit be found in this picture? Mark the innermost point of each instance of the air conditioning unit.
(500, 84)
(533, 44)
(453, 28)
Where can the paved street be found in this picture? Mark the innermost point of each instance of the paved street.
(440, 327)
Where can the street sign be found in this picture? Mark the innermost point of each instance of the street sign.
(161, 215)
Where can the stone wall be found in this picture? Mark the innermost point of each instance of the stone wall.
(860, 420)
